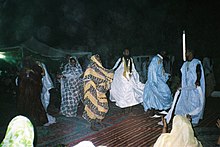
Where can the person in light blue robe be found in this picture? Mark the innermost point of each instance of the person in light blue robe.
(192, 98)
(157, 94)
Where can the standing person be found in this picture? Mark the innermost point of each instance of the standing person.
(97, 81)
(145, 65)
(192, 98)
(209, 75)
(71, 88)
(64, 62)
(126, 89)
(157, 94)
(30, 86)
(45, 94)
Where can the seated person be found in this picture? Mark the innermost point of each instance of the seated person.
(20, 133)
(181, 135)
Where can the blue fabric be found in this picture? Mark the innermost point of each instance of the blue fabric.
(157, 94)
(189, 99)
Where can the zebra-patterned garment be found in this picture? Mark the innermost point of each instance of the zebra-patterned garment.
(97, 81)
(71, 90)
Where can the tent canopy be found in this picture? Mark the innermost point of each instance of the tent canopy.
(33, 46)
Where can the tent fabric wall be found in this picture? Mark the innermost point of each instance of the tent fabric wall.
(38, 48)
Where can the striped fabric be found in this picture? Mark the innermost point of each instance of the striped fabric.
(97, 81)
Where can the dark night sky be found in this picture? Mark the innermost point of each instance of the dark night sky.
(111, 25)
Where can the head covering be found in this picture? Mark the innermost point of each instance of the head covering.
(85, 144)
(94, 59)
(181, 135)
(20, 133)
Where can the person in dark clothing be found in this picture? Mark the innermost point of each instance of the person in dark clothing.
(29, 98)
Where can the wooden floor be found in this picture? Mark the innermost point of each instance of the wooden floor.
(137, 130)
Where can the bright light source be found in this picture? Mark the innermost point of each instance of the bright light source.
(2, 56)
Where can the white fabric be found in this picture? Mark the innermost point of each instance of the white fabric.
(194, 112)
(45, 94)
(181, 135)
(128, 91)
(84, 144)
(169, 114)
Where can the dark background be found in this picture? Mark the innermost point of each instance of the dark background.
(108, 26)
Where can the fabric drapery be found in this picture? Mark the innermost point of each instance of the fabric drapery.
(191, 98)
(97, 81)
(126, 91)
(181, 135)
(20, 133)
(29, 98)
(71, 89)
(157, 94)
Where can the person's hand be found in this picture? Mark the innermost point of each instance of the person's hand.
(60, 76)
(164, 122)
(164, 130)
(189, 117)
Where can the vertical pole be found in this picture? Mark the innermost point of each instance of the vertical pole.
(184, 46)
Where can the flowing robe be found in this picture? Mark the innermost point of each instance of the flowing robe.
(97, 82)
(126, 88)
(45, 94)
(29, 98)
(157, 94)
(181, 135)
(20, 133)
(191, 100)
(71, 89)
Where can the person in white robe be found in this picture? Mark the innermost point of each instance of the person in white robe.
(192, 97)
(157, 94)
(45, 94)
(126, 89)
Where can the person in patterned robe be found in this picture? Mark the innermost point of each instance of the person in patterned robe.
(20, 132)
(71, 88)
(97, 82)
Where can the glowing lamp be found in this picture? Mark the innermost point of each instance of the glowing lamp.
(2, 56)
